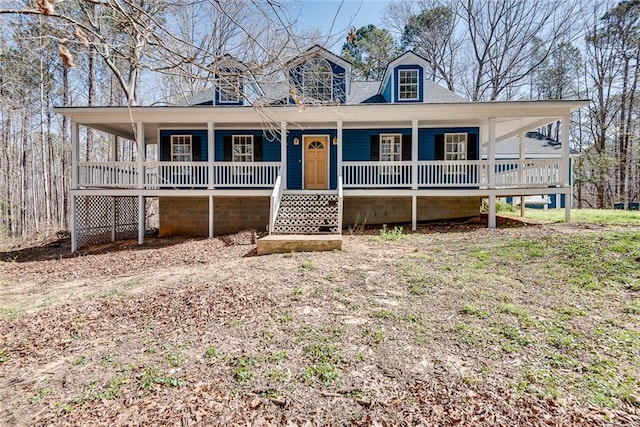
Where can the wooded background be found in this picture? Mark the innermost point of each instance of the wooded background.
(139, 52)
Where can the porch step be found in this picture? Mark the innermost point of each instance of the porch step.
(308, 213)
(274, 243)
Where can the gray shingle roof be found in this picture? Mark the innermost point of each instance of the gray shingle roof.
(536, 144)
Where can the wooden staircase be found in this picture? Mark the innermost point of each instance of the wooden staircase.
(308, 213)
(306, 221)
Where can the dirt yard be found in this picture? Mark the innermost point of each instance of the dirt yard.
(453, 325)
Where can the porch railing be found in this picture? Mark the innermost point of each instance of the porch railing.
(177, 174)
(274, 204)
(441, 173)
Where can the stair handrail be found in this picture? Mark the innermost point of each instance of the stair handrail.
(276, 197)
(340, 202)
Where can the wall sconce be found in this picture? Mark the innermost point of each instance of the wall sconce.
(335, 140)
(296, 141)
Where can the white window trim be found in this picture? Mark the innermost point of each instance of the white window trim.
(179, 140)
(234, 138)
(230, 87)
(417, 84)
(315, 79)
(399, 153)
(459, 155)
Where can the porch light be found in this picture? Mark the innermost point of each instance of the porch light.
(296, 141)
(335, 140)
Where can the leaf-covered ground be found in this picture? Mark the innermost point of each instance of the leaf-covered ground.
(454, 325)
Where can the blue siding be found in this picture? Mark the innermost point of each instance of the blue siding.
(396, 77)
(427, 140)
(386, 92)
(357, 142)
(194, 133)
(270, 148)
(294, 158)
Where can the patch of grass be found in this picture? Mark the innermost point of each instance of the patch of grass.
(4, 356)
(278, 356)
(242, 374)
(383, 314)
(152, 377)
(390, 234)
(633, 307)
(594, 216)
(512, 335)
(113, 388)
(212, 353)
(296, 294)
(285, 317)
(278, 374)
(472, 310)
(175, 359)
(513, 310)
(40, 395)
(324, 358)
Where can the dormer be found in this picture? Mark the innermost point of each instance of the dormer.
(404, 80)
(319, 77)
(234, 84)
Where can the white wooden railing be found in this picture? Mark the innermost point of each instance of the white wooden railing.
(108, 174)
(177, 174)
(438, 173)
(340, 203)
(376, 174)
(464, 173)
(274, 204)
(527, 173)
(253, 174)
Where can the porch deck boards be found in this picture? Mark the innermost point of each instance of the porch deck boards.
(283, 243)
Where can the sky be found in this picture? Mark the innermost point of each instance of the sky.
(321, 14)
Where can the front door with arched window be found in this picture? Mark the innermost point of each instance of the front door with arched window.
(316, 164)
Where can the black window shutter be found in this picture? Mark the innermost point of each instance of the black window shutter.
(196, 148)
(375, 147)
(228, 147)
(406, 147)
(165, 154)
(439, 154)
(257, 149)
(472, 146)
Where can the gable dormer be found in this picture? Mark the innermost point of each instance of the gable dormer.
(319, 77)
(234, 84)
(404, 81)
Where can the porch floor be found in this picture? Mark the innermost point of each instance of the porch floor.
(282, 243)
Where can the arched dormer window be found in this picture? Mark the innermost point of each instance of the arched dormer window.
(317, 80)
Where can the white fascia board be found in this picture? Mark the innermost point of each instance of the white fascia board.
(471, 112)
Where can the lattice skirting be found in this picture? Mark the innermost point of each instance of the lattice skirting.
(101, 219)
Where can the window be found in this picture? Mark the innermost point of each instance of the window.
(390, 147)
(242, 148)
(229, 87)
(181, 148)
(455, 146)
(408, 85)
(317, 80)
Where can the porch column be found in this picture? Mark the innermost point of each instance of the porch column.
(141, 217)
(211, 216)
(73, 224)
(283, 153)
(491, 153)
(339, 148)
(75, 154)
(491, 217)
(211, 153)
(141, 156)
(565, 170)
(414, 157)
(114, 148)
(414, 213)
(522, 152)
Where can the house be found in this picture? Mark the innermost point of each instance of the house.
(309, 154)
(536, 146)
